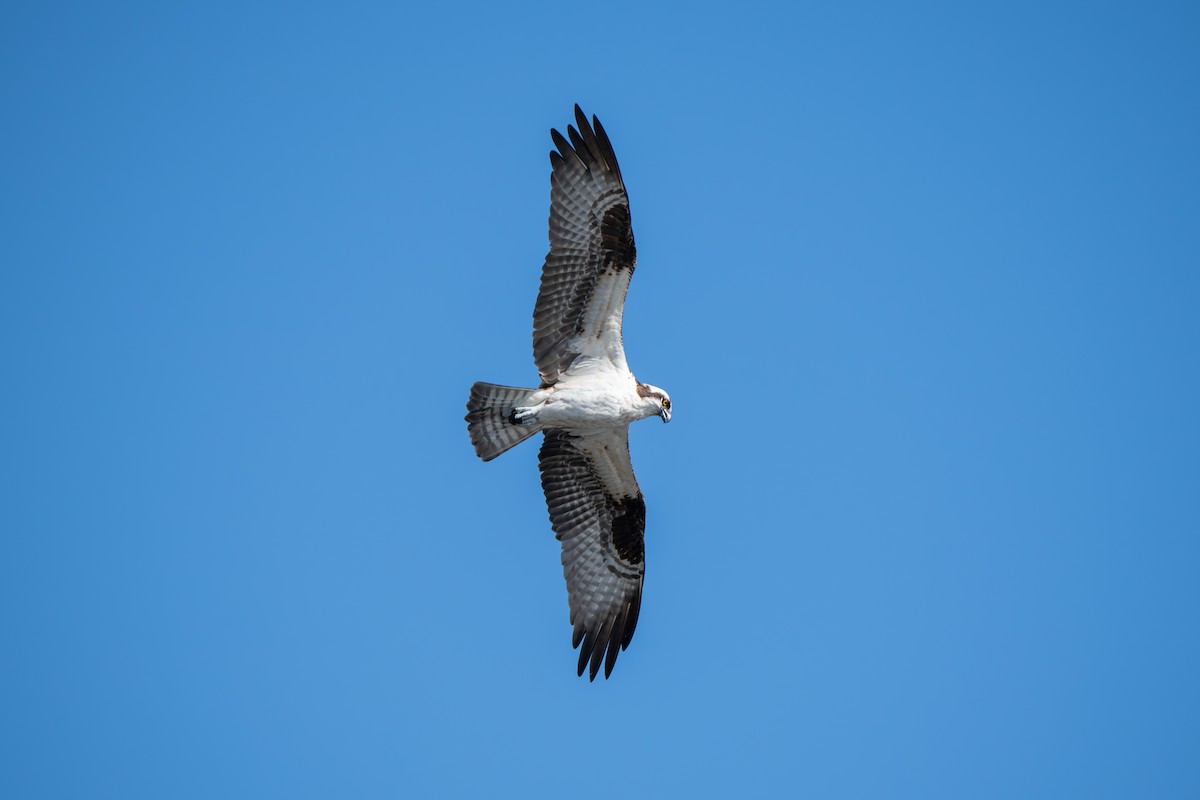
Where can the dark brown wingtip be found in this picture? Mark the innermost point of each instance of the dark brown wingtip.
(560, 142)
(598, 651)
(579, 143)
(614, 649)
(631, 619)
(606, 149)
(598, 647)
(585, 653)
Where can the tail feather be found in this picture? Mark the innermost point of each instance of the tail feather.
(488, 419)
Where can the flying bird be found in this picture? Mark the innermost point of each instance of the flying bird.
(587, 396)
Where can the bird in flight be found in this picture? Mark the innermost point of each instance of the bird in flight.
(587, 397)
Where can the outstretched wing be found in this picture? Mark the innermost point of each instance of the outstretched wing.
(597, 512)
(591, 256)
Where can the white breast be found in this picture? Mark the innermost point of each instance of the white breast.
(592, 395)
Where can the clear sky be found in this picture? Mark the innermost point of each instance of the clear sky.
(923, 282)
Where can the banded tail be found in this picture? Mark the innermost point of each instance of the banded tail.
(489, 420)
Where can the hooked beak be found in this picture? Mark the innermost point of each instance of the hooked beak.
(665, 414)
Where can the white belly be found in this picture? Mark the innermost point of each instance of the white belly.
(582, 409)
(591, 396)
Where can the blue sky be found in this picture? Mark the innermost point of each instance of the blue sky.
(922, 281)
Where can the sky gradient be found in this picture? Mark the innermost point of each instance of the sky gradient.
(922, 283)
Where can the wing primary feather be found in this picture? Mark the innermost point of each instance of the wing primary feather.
(559, 141)
(564, 147)
(598, 653)
(585, 651)
(606, 149)
(581, 147)
(635, 607)
(614, 644)
(581, 120)
(593, 145)
(577, 635)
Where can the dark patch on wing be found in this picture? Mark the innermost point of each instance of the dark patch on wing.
(617, 234)
(629, 529)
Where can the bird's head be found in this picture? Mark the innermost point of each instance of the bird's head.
(656, 401)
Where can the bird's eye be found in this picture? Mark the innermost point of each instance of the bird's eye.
(666, 404)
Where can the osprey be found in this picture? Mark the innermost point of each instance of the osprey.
(587, 396)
